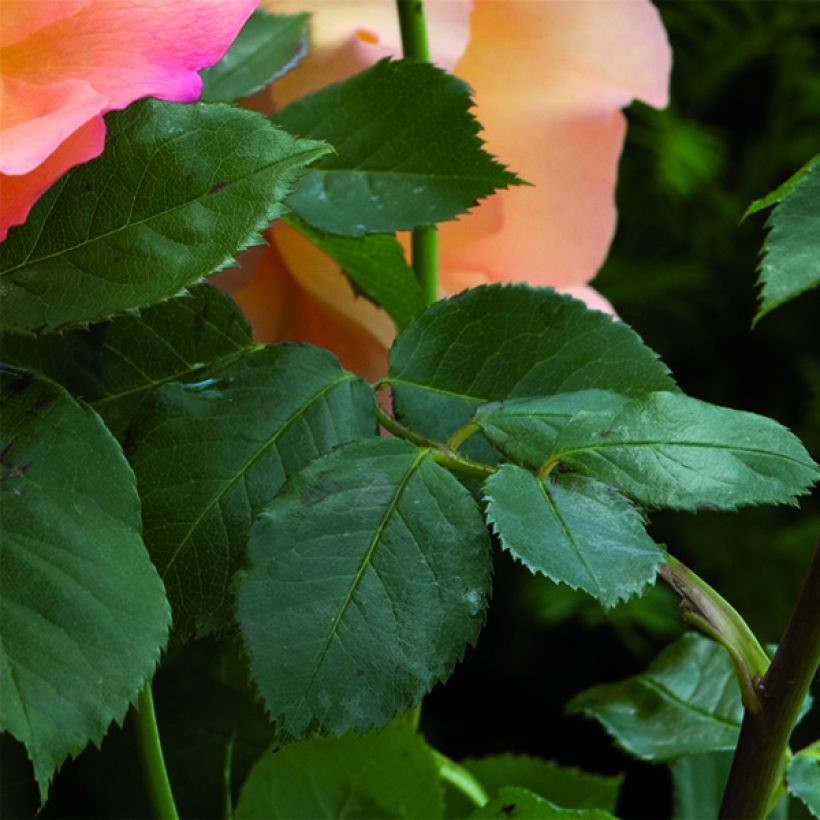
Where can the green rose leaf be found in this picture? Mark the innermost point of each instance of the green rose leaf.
(115, 365)
(525, 430)
(177, 192)
(211, 454)
(351, 613)
(687, 702)
(376, 267)
(698, 784)
(670, 450)
(406, 155)
(501, 342)
(268, 46)
(803, 777)
(513, 801)
(83, 613)
(564, 786)
(573, 530)
(387, 773)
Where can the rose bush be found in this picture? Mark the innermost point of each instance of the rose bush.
(550, 78)
(64, 63)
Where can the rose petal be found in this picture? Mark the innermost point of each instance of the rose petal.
(127, 49)
(37, 118)
(21, 18)
(19, 193)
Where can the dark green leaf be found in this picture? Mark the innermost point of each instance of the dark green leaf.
(376, 267)
(567, 787)
(389, 773)
(698, 784)
(791, 252)
(352, 612)
(687, 702)
(778, 193)
(498, 342)
(525, 430)
(670, 450)
(803, 777)
(407, 153)
(268, 46)
(84, 614)
(573, 530)
(177, 192)
(209, 455)
(513, 801)
(115, 365)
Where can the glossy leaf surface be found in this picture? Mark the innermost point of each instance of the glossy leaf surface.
(368, 576)
(574, 530)
(803, 777)
(268, 46)
(392, 169)
(83, 611)
(500, 342)
(687, 702)
(670, 450)
(513, 801)
(179, 190)
(115, 365)
(209, 455)
(387, 773)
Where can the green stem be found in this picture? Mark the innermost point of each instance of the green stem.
(425, 262)
(153, 762)
(705, 608)
(757, 768)
(462, 434)
(457, 776)
(415, 46)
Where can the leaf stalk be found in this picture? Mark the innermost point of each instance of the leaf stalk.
(153, 760)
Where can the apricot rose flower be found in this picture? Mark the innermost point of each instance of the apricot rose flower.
(550, 78)
(64, 63)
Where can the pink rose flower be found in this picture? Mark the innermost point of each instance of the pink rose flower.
(550, 78)
(64, 63)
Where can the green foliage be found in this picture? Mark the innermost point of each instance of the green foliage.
(791, 252)
(350, 614)
(698, 784)
(178, 191)
(670, 450)
(493, 343)
(268, 46)
(407, 154)
(687, 702)
(210, 455)
(803, 777)
(115, 365)
(376, 267)
(573, 530)
(84, 614)
(388, 773)
(513, 801)
(566, 787)
(525, 430)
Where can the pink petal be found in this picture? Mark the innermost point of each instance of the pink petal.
(127, 49)
(37, 118)
(19, 193)
(21, 18)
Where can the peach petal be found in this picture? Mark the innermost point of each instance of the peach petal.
(558, 231)
(347, 36)
(37, 118)
(21, 18)
(19, 193)
(280, 309)
(127, 49)
(591, 298)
